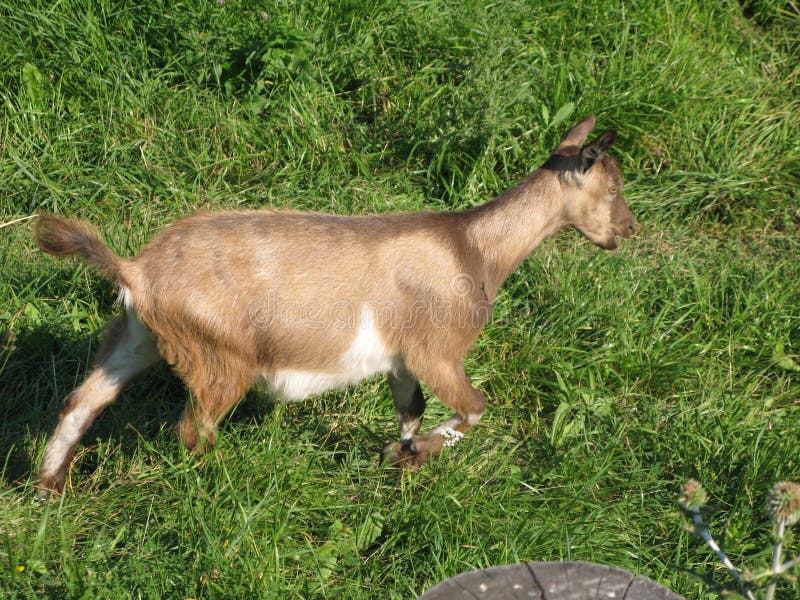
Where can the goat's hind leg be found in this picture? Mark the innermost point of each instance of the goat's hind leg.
(215, 390)
(128, 349)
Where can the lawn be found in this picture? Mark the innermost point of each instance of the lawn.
(612, 377)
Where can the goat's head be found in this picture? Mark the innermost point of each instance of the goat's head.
(592, 185)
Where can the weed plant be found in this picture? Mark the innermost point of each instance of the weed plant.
(783, 504)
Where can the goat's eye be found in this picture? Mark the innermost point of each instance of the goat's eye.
(613, 189)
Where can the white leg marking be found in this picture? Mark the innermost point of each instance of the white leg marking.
(87, 402)
(135, 351)
(65, 436)
(473, 418)
(447, 431)
(409, 429)
(452, 422)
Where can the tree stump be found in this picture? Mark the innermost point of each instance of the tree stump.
(550, 581)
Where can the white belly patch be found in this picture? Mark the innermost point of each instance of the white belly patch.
(366, 356)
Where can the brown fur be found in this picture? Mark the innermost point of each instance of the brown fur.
(231, 296)
(62, 237)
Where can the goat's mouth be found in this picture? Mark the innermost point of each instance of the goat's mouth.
(606, 241)
(625, 232)
(610, 243)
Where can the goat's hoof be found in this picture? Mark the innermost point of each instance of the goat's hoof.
(398, 455)
(46, 488)
(412, 453)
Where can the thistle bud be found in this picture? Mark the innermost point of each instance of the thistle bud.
(783, 502)
(693, 496)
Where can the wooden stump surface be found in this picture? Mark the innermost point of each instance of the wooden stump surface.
(550, 581)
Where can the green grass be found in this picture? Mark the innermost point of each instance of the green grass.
(612, 377)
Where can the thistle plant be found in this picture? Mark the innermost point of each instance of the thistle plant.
(783, 505)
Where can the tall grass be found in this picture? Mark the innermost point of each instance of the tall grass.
(612, 377)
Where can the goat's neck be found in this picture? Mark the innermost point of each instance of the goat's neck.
(507, 229)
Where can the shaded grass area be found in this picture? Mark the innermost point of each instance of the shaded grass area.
(612, 377)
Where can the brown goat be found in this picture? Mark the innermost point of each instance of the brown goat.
(306, 302)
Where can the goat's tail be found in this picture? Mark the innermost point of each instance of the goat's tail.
(62, 236)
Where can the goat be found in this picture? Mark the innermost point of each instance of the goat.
(307, 302)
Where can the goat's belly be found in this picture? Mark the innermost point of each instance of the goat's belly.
(366, 356)
(295, 384)
(291, 385)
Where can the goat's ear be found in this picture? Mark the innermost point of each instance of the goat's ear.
(597, 149)
(577, 135)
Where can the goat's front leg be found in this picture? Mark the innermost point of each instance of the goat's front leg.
(409, 401)
(451, 385)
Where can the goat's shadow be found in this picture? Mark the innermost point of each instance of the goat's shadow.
(44, 363)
